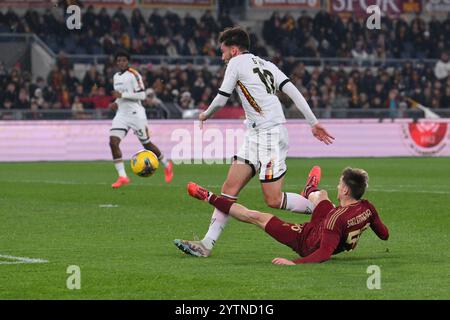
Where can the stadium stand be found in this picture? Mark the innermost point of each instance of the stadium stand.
(343, 69)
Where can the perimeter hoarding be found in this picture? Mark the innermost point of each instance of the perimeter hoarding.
(220, 139)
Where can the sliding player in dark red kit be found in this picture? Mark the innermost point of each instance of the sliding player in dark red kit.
(331, 229)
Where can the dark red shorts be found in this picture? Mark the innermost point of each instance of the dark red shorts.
(285, 233)
(290, 234)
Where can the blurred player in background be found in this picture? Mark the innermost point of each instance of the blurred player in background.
(331, 229)
(266, 141)
(129, 90)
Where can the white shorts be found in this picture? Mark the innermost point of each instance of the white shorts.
(265, 150)
(137, 121)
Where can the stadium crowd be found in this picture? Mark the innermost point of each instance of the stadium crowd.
(190, 87)
(326, 35)
(169, 34)
(101, 33)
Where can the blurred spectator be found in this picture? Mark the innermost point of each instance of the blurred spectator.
(23, 101)
(186, 101)
(393, 103)
(5, 113)
(77, 108)
(100, 100)
(442, 68)
(152, 101)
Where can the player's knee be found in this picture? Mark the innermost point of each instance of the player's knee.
(323, 195)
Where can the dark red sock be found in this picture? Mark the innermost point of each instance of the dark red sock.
(309, 190)
(221, 203)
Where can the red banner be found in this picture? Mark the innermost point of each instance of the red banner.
(52, 3)
(186, 3)
(299, 4)
(387, 7)
(27, 3)
(110, 3)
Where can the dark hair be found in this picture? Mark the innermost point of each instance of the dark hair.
(235, 36)
(122, 53)
(356, 180)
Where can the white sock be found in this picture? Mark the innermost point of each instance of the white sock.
(120, 167)
(296, 203)
(218, 222)
(163, 161)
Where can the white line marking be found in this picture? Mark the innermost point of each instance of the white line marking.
(19, 260)
(108, 205)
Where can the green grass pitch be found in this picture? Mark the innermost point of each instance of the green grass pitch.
(122, 240)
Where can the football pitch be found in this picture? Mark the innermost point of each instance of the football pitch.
(59, 214)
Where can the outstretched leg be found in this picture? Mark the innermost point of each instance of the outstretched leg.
(238, 176)
(283, 232)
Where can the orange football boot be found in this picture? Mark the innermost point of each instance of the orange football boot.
(168, 171)
(313, 179)
(120, 182)
(194, 190)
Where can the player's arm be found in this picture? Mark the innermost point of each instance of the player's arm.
(300, 103)
(219, 101)
(329, 243)
(378, 226)
(226, 89)
(113, 105)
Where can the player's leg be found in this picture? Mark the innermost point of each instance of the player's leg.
(242, 169)
(273, 147)
(118, 131)
(229, 207)
(238, 176)
(319, 198)
(141, 131)
(286, 233)
(167, 164)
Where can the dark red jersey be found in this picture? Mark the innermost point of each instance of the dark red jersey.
(333, 230)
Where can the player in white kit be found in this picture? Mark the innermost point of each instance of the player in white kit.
(266, 141)
(129, 90)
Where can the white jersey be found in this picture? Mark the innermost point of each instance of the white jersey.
(256, 81)
(128, 82)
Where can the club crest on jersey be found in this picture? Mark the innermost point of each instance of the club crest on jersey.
(426, 138)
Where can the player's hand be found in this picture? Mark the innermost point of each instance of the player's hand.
(202, 117)
(116, 94)
(321, 134)
(113, 106)
(283, 261)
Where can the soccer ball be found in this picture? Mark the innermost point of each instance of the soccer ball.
(144, 163)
